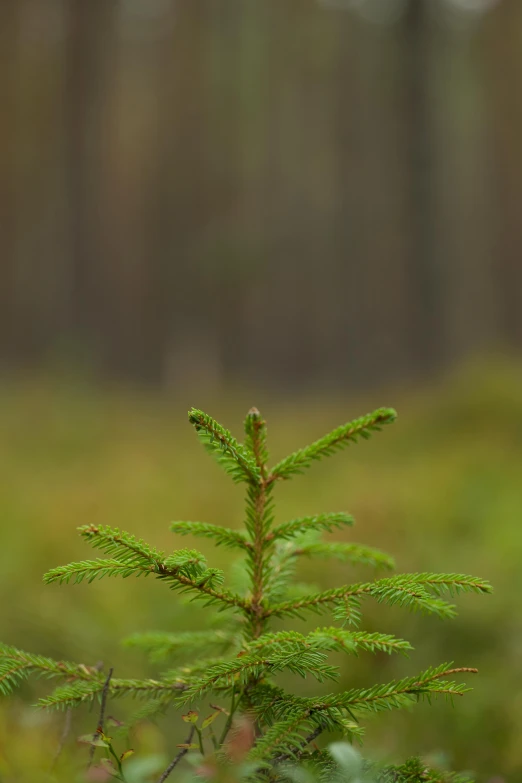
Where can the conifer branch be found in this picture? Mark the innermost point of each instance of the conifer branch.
(223, 536)
(233, 457)
(347, 552)
(287, 712)
(74, 694)
(410, 590)
(337, 439)
(304, 744)
(333, 640)
(286, 734)
(295, 527)
(244, 668)
(184, 570)
(255, 430)
(82, 683)
(340, 640)
(259, 518)
(16, 665)
(399, 693)
(93, 569)
(121, 545)
(202, 585)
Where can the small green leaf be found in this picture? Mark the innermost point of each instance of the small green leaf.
(96, 740)
(126, 754)
(191, 717)
(209, 720)
(186, 746)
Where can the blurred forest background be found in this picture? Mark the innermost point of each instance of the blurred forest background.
(312, 206)
(186, 183)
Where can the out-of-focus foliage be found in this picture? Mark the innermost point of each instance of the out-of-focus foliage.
(442, 488)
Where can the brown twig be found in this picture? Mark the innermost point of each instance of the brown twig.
(101, 718)
(175, 761)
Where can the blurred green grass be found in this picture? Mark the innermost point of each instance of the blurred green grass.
(441, 490)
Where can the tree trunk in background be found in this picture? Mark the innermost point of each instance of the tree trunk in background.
(9, 58)
(309, 109)
(462, 188)
(353, 200)
(32, 260)
(282, 272)
(137, 115)
(90, 40)
(182, 205)
(161, 304)
(375, 206)
(247, 223)
(307, 52)
(224, 254)
(505, 121)
(425, 266)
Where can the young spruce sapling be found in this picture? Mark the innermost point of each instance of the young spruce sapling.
(236, 661)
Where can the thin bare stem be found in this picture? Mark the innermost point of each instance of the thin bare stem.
(230, 718)
(101, 718)
(175, 761)
(200, 741)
